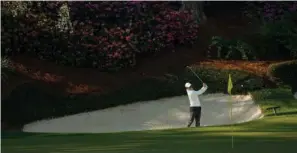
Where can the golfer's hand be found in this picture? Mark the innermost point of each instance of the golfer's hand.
(204, 85)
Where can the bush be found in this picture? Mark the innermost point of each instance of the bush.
(6, 69)
(217, 80)
(277, 34)
(274, 39)
(276, 97)
(284, 73)
(231, 49)
(28, 103)
(104, 35)
(279, 37)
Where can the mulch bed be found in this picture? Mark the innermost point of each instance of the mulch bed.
(78, 80)
(255, 67)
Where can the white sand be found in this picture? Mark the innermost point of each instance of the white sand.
(158, 114)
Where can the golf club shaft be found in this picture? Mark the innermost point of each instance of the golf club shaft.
(195, 74)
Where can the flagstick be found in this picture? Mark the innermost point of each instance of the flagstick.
(232, 129)
(232, 142)
(230, 86)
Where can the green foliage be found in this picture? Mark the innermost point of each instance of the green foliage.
(29, 103)
(282, 95)
(231, 49)
(68, 33)
(276, 36)
(217, 80)
(276, 97)
(276, 39)
(284, 73)
(5, 68)
(273, 40)
(17, 8)
(280, 36)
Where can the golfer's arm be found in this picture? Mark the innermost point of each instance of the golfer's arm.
(201, 91)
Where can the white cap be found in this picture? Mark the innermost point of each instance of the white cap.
(187, 85)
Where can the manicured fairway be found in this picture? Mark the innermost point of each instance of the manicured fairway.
(272, 134)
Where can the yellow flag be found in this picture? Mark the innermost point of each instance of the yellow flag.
(230, 85)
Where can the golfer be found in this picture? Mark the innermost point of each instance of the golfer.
(195, 106)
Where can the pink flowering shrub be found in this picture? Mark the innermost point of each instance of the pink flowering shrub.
(270, 10)
(107, 35)
(279, 30)
(104, 51)
(167, 29)
(276, 10)
(277, 34)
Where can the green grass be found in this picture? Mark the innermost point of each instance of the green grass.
(276, 97)
(273, 134)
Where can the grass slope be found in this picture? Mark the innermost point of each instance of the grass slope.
(276, 97)
(272, 134)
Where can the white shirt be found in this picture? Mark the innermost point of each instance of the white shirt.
(193, 96)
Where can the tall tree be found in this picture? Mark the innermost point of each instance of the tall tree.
(197, 7)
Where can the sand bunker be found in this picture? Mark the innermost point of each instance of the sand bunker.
(158, 114)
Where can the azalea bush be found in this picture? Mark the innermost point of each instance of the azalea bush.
(273, 11)
(143, 27)
(273, 38)
(277, 34)
(103, 35)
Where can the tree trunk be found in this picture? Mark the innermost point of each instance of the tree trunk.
(64, 22)
(197, 7)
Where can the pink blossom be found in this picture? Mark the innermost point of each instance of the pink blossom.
(128, 38)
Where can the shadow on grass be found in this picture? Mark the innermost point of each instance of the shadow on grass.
(271, 134)
(16, 135)
(172, 142)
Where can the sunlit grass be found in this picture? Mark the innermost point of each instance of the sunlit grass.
(273, 133)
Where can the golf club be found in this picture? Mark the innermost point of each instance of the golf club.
(195, 74)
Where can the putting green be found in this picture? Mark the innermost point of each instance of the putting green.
(271, 134)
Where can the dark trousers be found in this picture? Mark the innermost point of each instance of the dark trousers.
(195, 113)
